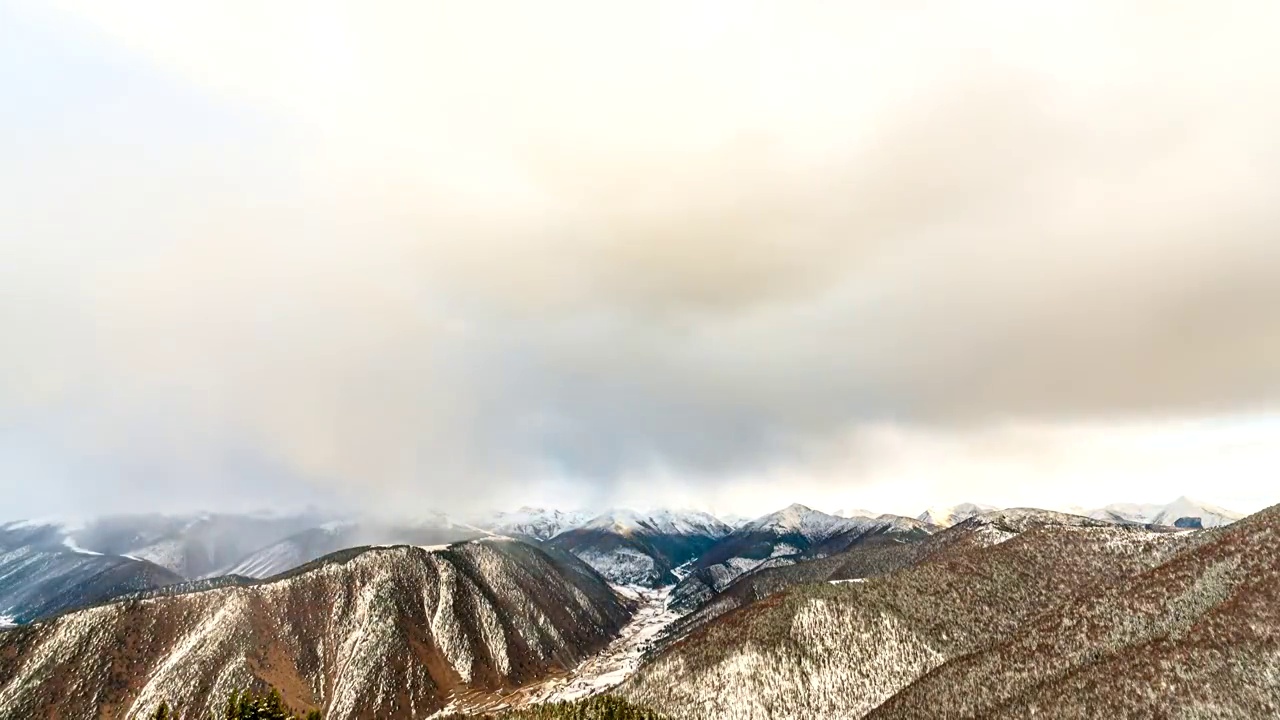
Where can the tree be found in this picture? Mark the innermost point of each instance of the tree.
(246, 705)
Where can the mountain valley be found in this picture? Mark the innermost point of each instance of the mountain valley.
(794, 614)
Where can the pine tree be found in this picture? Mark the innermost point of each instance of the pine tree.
(245, 705)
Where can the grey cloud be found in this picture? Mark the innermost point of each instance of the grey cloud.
(1003, 242)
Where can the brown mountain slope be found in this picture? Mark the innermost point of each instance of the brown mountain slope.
(1198, 636)
(839, 651)
(872, 555)
(371, 633)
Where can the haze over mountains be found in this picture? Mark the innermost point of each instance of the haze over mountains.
(47, 567)
(885, 616)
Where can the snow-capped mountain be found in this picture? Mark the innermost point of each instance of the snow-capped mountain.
(776, 544)
(642, 548)
(192, 546)
(946, 516)
(312, 543)
(797, 520)
(52, 565)
(734, 520)
(1170, 514)
(855, 513)
(44, 572)
(533, 523)
(779, 537)
(658, 522)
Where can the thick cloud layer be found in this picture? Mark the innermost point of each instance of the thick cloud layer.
(426, 256)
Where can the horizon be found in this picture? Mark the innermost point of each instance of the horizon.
(80, 521)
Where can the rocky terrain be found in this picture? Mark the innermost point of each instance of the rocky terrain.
(378, 632)
(1195, 636)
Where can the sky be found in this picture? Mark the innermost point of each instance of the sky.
(411, 256)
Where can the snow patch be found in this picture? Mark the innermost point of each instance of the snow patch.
(620, 659)
(955, 514)
(70, 543)
(814, 526)
(621, 565)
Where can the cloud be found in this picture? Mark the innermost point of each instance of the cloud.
(422, 252)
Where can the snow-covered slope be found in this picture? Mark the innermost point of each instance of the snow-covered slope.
(1170, 514)
(377, 632)
(191, 545)
(531, 522)
(946, 516)
(642, 548)
(303, 547)
(43, 572)
(797, 519)
(659, 522)
(821, 650)
(779, 537)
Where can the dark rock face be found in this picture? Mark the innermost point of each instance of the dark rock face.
(367, 633)
(1189, 523)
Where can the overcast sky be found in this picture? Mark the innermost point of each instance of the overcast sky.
(446, 255)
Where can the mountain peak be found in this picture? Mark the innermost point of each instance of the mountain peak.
(1183, 507)
(946, 516)
(797, 518)
(661, 521)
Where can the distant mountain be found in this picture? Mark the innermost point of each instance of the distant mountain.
(315, 542)
(734, 520)
(50, 566)
(779, 537)
(877, 547)
(192, 546)
(896, 527)
(855, 513)
(1170, 514)
(43, 572)
(634, 548)
(533, 523)
(371, 632)
(946, 516)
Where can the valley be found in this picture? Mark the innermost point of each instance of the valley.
(796, 614)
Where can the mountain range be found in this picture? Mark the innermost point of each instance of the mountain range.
(47, 566)
(633, 548)
(796, 614)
